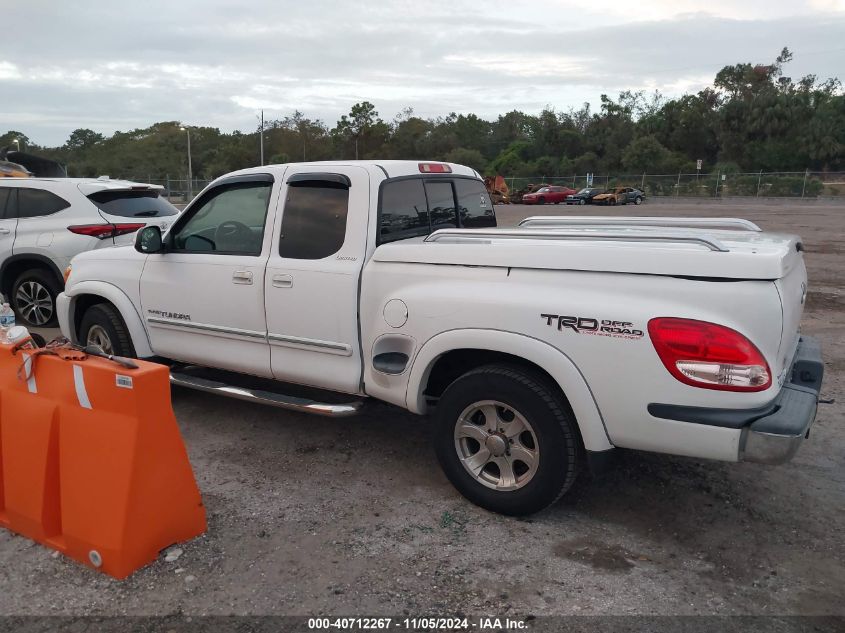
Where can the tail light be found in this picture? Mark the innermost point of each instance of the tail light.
(104, 231)
(710, 356)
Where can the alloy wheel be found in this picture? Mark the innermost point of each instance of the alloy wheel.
(98, 337)
(497, 445)
(34, 303)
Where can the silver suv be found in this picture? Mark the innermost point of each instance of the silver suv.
(45, 222)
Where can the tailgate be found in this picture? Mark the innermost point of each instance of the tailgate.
(792, 289)
(131, 208)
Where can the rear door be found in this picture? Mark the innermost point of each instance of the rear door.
(312, 279)
(8, 221)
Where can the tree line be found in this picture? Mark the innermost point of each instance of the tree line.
(754, 117)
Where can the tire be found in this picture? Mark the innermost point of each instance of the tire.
(34, 298)
(582, 201)
(102, 325)
(612, 202)
(511, 395)
(541, 201)
(638, 200)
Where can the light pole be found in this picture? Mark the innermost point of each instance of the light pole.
(190, 174)
(261, 136)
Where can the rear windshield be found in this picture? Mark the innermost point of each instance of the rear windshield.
(412, 207)
(133, 204)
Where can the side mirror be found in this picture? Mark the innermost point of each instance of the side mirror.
(148, 240)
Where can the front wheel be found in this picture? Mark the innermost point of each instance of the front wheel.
(541, 201)
(103, 327)
(582, 201)
(506, 439)
(638, 200)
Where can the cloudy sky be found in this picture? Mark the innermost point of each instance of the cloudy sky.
(111, 65)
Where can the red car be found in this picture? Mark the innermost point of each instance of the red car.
(556, 195)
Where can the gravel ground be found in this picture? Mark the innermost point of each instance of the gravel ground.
(310, 516)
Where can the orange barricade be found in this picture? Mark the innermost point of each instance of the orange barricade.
(92, 463)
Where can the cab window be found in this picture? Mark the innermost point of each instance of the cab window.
(229, 220)
(404, 210)
(314, 218)
(474, 205)
(441, 204)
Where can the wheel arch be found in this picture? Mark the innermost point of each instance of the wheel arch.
(462, 350)
(88, 293)
(16, 264)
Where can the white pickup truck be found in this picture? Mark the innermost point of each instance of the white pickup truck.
(537, 348)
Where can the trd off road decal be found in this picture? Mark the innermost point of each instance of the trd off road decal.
(594, 327)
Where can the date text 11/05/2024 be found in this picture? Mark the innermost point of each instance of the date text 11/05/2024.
(421, 623)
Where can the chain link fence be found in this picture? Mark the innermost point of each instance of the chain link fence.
(804, 185)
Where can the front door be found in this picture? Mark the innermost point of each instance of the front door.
(203, 298)
(312, 280)
(8, 222)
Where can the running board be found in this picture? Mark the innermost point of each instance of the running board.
(260, 396)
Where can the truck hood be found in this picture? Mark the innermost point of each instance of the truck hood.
(688, 252)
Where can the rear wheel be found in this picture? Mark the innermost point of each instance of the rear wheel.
(103, 327)
(34, 298)
(506, 439)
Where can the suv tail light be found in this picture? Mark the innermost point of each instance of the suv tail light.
(104, 231)
(710, 356)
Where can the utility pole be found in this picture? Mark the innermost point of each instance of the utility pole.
(261, 137)
(190, 171)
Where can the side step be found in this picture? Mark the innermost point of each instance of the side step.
(261, 396)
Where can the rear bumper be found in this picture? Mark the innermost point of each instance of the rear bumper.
(775, 438)
(770, 434)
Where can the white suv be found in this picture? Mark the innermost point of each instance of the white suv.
(44, 222)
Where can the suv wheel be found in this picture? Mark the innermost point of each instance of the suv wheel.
(34, 298)
(103, 327)
(506, 440)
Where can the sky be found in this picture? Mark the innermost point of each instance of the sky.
(118, 66)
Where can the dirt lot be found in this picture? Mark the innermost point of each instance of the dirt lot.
(310, 516)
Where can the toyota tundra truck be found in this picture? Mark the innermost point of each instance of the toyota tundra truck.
(537, 349)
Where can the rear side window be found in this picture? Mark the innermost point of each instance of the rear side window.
(474, 204)
(133, 204)
(35, 203)
(404, 210)
(5, 195)
(314, 219)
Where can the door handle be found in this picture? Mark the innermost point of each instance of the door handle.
(282, 281)
(4, 230)
(242, 277)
